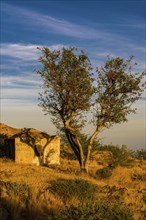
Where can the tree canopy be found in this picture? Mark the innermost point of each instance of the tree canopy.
(71, 89)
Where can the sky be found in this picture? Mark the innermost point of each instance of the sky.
(99, 27)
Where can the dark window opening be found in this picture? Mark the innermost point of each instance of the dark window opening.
(10, 148)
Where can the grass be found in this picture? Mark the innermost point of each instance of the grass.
(75, 188)
(104, 173)
(61, 188)
(95, 210)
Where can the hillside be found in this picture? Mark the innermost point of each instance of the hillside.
(8, 131)
(29, 192)
(125, 185)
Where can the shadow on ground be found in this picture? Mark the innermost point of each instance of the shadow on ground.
(12, 210)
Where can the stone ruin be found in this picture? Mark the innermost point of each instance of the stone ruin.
(32, 147)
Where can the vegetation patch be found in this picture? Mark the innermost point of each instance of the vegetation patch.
(97, 210)
(140, 154)
(122, 156)
(14, 189)
(138, 176)
(105, 172)
(67, 189)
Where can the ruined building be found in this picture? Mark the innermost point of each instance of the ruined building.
(32, 147)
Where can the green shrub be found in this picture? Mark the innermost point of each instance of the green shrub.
(140, 154)
(67, 189)
(17, 189)
(67, 153)
(104, 172)
(98, 210)
(122, 156)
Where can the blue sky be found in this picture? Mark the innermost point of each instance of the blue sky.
(100, 28)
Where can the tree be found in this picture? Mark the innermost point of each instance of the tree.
(71, 90)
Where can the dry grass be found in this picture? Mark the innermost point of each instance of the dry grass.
(7, 130)
(125, 184)
(128, 183)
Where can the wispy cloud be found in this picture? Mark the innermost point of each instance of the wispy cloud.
(20, 51)
(59, 26)
(19, 94)
(19, 88)
(27, 52)
(51, 24)
(106, 54)
(24, 81)
(17, 78)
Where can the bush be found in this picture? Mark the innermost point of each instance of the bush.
(98, 210)
(67, 153)
(122, 155)
(141, 154)
(67, 189)
(16, 189)
(104, 172)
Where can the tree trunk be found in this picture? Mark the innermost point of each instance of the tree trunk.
(90, 146)
(88, 157)
(76, 147)
(84, 170)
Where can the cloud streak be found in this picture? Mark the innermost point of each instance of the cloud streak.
(17, 81)
(51, 24)
(26, 52)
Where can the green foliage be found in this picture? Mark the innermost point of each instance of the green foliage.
(105, 172)
(98, 210)
(70, 92)
(67, 189)
(17, 189)
(118, 88)
(67, 153)
(122, 156)
(141, 154)
(67, 82)
(84, 139)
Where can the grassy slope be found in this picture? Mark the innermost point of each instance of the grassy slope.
(39, 178)
(128, 184)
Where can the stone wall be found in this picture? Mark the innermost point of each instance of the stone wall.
(43, 151)
(51, 154)
(23, 152)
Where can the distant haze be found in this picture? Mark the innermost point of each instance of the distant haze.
(100, 28)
